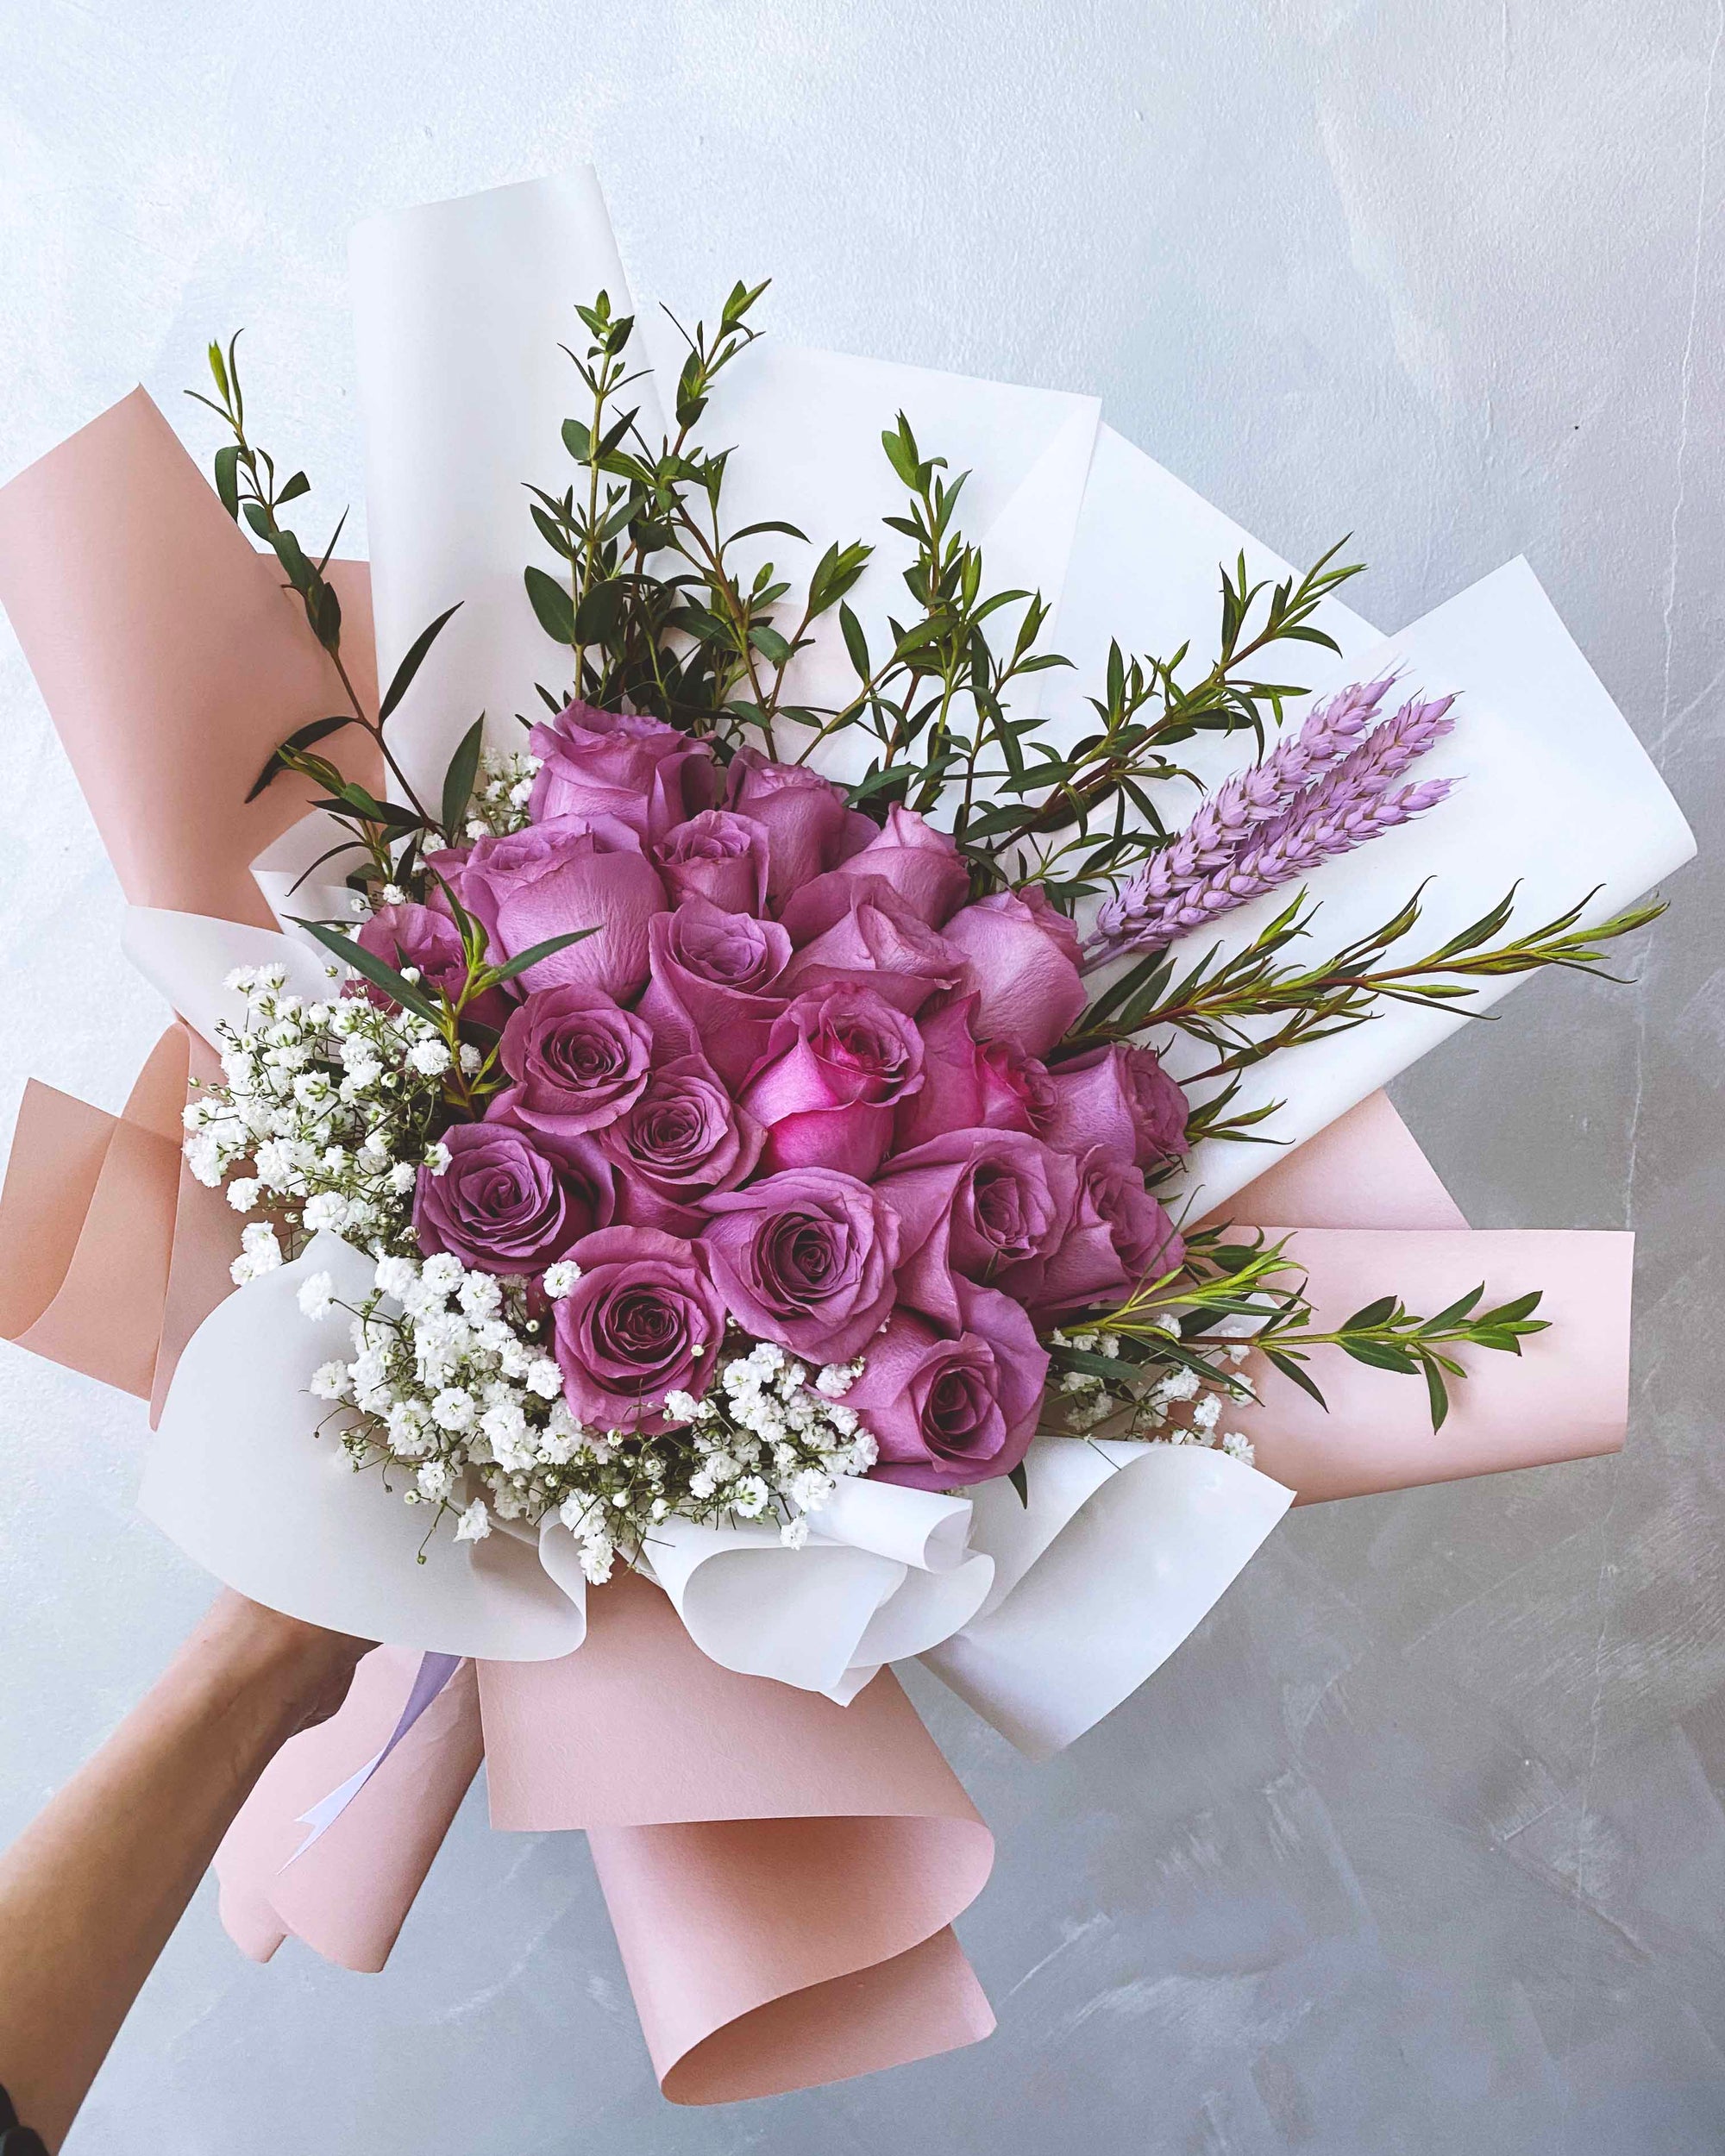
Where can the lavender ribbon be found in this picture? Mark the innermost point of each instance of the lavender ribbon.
(432, 1675)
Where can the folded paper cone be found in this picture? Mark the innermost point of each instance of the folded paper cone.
(83, 1188)
(780, 1871)
(348, 1895)
(170, 657)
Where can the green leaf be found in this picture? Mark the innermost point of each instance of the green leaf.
(374, 968)
(458, 779)
(769, 643)
(1290, 1368)
(1379, 1355)
(576, 440)
(324, 611)
(596, 619)
(291, 557)
(1374, 1313)
(296, 486)
(555, 608)
(1020, 1483)
(1097, 1365)
(228, 474)
(855, 641)
(415, 653)
(768, 523)
(524, 959)
(303, 737)
(1438, 1394)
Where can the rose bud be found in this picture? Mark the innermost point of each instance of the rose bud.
(643, 1320)
(1119, 1096)
(716, 855)
(969, 1085)
(838, 1062)
(919, 863)
(1024, 967)
(949, 1413)
(678, 1142)
(980, 1204)
(501, 1206)
(809, 827)
(708, 994)
(1120, 1237)
(880, 944)
(804, 1258)
(650, 775)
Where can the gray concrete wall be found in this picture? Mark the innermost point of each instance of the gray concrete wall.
(1418, 1846)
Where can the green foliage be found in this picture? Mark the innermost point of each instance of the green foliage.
(1231, 1291)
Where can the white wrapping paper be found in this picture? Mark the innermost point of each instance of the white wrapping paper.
(460, 312)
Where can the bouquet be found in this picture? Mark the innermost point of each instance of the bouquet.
(749, 1164)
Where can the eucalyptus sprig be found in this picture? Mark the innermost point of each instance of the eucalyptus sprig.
(1219, 996)
(1229, 1293)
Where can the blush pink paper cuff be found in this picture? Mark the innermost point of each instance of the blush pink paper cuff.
(782, 1872)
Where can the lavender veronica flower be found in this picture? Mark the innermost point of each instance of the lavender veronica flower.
(1267, 831)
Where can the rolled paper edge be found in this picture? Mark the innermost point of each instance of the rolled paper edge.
(923, 2001)
(755, 1971)
(347, 1895)
(1565, 1397)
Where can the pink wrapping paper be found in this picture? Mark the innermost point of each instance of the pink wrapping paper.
(347, 1895)
(170, 658)
(781, 1872)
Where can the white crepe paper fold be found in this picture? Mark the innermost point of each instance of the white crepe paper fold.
(1135, 1564)
(238, 1479)
(1042, 1615)
(188, 958)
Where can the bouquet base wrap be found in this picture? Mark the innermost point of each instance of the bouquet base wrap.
(782, 1872)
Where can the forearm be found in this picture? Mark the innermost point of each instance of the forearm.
(91, 1892)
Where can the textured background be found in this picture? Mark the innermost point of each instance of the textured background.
(1419, 1845)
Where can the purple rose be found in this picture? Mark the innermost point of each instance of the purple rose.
(968, 1084)
(681, 1140)
(808, 825)
(1023, 968)
(920, 863)
(572, 872)
(643, 1320)
(948, 1413)
(1118, 1097)
(650, 775)
(708, 995)
(415, 935)
(804, 1258)
(501, 1206)
(838, 1062)
(880, 944)
(1120, 1237)
(717, 856)
(578, 1062)
(978, 1204)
